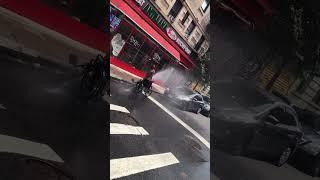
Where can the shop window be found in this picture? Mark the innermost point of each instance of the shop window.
(175, 10)
(124, 29)
(190, 29)
(131, 45)
(143, 55)
(119, 39)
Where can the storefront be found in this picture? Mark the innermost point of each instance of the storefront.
(141, 47)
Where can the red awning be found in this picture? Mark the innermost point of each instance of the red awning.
(140, 22)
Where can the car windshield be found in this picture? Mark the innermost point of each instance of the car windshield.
(206, 99)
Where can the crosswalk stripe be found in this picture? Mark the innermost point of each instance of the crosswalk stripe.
(11, 144)
(116, 128)
(132, 165)
(118, 108)
(204, 141)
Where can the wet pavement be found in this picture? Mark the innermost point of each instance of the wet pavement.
(164, 136)
(41, 104)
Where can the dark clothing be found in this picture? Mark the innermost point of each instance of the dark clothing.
(150, 74)
(147, 80)
(146, 83)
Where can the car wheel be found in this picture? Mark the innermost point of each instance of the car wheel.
(284, 156)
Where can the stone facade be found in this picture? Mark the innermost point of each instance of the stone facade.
(180, 23)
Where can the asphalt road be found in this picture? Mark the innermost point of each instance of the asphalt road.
(165, 136)
(248, 169)
(40, 104)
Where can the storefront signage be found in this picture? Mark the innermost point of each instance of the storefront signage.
(152, 13)
(173, 36)
(162, 23)
(171, 33)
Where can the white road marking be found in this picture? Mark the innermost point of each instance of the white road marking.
(118, 108)
(204, 141)
(133, 165)
(2, 107)
(116, 128)
(11, 144)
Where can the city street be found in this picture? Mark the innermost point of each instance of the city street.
(152, 140)
(40, 107)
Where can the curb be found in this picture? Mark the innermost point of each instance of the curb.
(32, 59)
(116, 78)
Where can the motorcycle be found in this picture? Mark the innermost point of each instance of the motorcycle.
(94, 78)
(141, 87)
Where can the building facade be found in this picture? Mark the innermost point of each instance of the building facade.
(144, 33)
(190, 19)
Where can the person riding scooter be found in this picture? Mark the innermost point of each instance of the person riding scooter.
(147, 80)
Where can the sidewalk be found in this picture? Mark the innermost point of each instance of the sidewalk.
(25, 36)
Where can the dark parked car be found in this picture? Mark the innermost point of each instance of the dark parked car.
(186, 99)
(206, 107)
(249, 122)
(307, 156)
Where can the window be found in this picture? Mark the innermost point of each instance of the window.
(175, 9)
(185, 18)
(193, 40)
(206, 98)
(197, 34)
(190, 29)
(198, 45)
(204, 6)
(198, 98)
(201, 51)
